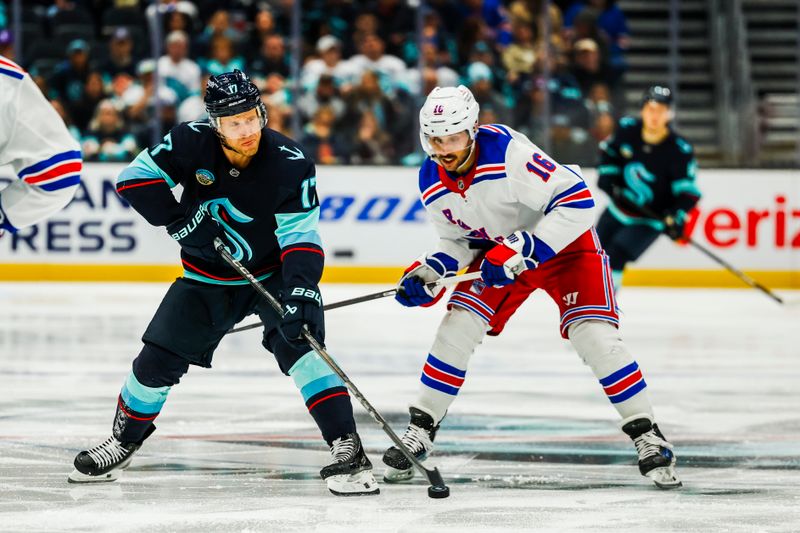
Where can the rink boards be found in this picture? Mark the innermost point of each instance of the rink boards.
(373, 225)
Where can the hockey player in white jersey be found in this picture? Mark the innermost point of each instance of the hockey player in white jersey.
(505, 208)
(37, 145)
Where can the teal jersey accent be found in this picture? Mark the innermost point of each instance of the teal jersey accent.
(685, 186)
(628, 220)
(627, 122)
(311, 375)
(241, 248)
(143, 399)
(638, 181)
(294, 228)
(144, 166)
(684, 146)
(608, 169)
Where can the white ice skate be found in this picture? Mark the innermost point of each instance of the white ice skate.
(418, 438)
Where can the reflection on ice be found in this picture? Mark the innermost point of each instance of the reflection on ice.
(530, 444)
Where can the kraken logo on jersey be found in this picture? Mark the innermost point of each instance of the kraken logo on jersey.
(204, 177)
(637, 179)
(240, 246)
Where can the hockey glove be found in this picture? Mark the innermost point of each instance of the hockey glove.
(412, 290)
(196, 233)
(301, 307)
(674, 225)
(504, 262)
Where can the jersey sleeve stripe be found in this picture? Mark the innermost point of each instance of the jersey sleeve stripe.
(61, 183)
(302, 249)
(139, 184)
(43, 166)
(55, 172)
(11, 73)
(580, 186)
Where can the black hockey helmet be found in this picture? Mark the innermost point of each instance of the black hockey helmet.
(231, 93)
(658, 93)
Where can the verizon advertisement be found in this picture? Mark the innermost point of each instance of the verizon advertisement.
(372, 216)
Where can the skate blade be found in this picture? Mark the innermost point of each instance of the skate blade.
(393, 475)
(77, 476)
(665, 478)
(359, 484)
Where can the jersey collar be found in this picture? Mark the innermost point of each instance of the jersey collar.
(459, 183)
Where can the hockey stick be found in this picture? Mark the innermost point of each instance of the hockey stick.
(444, 282)
(730, 268)
(437, 488)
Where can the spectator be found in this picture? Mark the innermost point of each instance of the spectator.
(325, 94)
(492, 14)
(120, 55)
(372, 144)
(139, 98)
(62, 112)
(271, 58)
(329, 62)
(391, 70)
(519, 56)
(218, 24)
(194, 107)
(177, 71)
(7, 44)
(108, 139)
(222, 57)
(274, 90)
(69, 78)
(398, 22)
(587, 66)
(445, 76)
(480, 83)
(365, 24)
(279, 117)
(612, 21)
(318, 138)
(83, 110)
(599, 105)
(263, 25)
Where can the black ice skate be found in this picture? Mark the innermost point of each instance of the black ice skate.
(418, 438)
(656, 458)
(350, 473)
(106, 461)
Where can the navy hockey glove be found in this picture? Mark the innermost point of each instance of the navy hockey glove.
(674, 225)
(412, 290)
(301, 307)
(196, 233)
(503, 263)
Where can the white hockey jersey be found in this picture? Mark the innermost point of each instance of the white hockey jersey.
(37, 145)
(513, 186)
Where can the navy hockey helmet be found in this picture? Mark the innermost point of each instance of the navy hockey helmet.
(658, 93)
(231, 93)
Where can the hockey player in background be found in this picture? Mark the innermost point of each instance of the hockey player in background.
(255, 189)
(646, 166)
(39, 148)
(505, 208)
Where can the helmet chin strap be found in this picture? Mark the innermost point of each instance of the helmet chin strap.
(463, 167)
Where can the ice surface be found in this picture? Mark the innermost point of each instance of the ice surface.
(530, 444)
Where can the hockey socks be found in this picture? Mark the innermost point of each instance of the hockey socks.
(600, 346)
(137, 407)
(325, 395)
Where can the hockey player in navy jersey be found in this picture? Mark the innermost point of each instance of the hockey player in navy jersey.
(648, 166)
(39, 148)
(255, 189)
(505, 208)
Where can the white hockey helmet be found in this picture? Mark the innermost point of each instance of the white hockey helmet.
(446, 111)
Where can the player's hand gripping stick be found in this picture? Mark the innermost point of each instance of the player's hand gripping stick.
(437, 488)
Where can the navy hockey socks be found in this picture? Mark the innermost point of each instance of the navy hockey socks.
(325, 395)
(137, 407)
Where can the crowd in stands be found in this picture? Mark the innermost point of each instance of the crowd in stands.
(557, 68)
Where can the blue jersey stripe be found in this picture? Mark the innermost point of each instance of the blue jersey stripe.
(575, 188)
(41, 165)
(12, 73)
(60, 184)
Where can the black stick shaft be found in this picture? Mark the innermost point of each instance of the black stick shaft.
(433, 476)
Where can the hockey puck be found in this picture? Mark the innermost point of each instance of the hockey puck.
(438, 491)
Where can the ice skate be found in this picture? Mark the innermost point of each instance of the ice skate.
(656, 458)
(106, 461)
(350, 473)
(418, 438)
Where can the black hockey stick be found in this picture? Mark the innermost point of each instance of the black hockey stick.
(437, 488)
(732, 269)
(374, 296)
